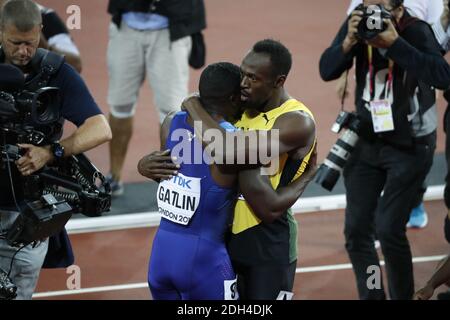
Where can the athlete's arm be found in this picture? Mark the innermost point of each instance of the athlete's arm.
(158, 165)
(441, 276)
(288, 133)
(269, 204)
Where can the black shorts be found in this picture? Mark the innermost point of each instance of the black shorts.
(264, 282)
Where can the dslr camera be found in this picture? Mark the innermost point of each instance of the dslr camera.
(329, 172)
(372, 22)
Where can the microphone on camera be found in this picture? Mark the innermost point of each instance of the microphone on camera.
(11, 78)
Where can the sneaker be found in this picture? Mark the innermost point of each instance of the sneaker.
(117, 188)
(418, 218)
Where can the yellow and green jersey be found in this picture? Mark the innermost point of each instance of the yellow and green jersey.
(255, 242)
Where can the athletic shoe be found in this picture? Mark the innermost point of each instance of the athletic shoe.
(418, 218)
(117, 187)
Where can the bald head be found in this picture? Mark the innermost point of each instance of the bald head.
(24, 15)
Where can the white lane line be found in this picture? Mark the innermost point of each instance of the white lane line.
(349, 266)
(145, 285)
(91, 290)
(152, 218)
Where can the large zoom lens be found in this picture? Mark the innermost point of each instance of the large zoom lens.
(329, 172)
(42, 105)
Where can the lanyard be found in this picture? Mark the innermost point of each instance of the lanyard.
(371, 76)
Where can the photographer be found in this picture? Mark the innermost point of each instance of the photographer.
(429, 11)
(20, 26)
(398, 65)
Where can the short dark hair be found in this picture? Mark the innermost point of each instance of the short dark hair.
(280, 57)
(219, 81)
(396, 3)
(23, 14)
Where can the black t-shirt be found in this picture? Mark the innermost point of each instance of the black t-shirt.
(52, 23)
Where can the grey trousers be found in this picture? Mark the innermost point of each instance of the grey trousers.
(27, 262)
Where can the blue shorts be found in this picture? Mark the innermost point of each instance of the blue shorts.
(187, 267)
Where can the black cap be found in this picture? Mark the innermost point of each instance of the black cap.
(11, 78)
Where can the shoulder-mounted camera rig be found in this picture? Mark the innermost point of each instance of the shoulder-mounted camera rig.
(47, 198)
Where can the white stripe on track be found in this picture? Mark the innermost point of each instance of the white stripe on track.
(142, 285)
(152, 218)
(349, 266)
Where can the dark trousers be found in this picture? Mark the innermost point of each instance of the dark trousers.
(399, 174)
(447, 178)
(264, 282)
(447, 155)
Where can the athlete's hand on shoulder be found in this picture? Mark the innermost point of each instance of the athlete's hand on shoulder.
(158, 165)
(191, 101)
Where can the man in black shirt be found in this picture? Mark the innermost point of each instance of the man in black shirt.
(396, 73)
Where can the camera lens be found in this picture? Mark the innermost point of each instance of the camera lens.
(45, 105)
(327, 177)
(329, 172)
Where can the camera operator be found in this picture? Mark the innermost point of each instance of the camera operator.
(56, 37)
(20, 26)
(396, 73)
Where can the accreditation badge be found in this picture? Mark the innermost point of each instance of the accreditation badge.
(178, 198)
(382, 116)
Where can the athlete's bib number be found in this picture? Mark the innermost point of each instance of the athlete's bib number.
(178, 198)
(230, 290)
